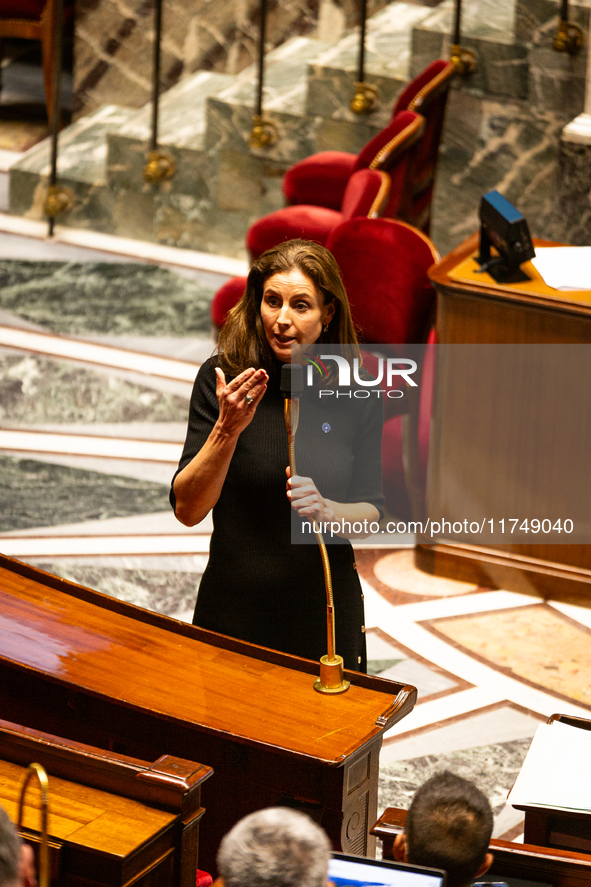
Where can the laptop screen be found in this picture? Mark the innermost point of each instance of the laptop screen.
(357, 871)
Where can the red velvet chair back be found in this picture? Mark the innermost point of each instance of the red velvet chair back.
(384, 266)
(366, 194)
(426, 94)
(393, 151)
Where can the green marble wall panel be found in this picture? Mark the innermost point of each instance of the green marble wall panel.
(557, 80)
(572, 222)
(491, 143)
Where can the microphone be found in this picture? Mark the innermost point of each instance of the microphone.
(331, 666)
(292, 386)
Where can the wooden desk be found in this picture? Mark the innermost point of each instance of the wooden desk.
(81, 665)
(563, 829)
(113, 820)
(472, 308)
(528, 862)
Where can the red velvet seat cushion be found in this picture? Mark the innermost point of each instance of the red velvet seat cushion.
(28, 9)
(319, 180)
(225, 298)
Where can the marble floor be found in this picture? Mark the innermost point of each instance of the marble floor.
(97, 358)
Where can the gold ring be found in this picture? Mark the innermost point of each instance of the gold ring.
(248, 399)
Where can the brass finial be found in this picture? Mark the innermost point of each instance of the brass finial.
(264, 133)
(160, 166)
(463, 60)
(58, 200)
(568, 38)
(365, 98)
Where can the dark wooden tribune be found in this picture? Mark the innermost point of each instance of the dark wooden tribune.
(113, 820)
(468, 461)
(86, 667)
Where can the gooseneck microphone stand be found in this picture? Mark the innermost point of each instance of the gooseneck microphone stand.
(331, 666)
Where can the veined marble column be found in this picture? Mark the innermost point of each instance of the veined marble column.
(573, 223)
(579, 129)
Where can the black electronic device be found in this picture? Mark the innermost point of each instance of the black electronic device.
(504, 228)
(357, 871)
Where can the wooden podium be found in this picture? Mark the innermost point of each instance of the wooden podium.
(473, 309)
(84, 666)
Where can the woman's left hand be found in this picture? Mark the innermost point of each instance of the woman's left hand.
(306, 500)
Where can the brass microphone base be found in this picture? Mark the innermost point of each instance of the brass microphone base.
(331, 677)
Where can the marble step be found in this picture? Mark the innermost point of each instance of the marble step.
(536, 20)
(229, 114)
(488, 29)
(181, 131)
(507, 66)
(82, 166)
(332, 77)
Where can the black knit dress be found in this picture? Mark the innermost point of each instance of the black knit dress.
(258, 586)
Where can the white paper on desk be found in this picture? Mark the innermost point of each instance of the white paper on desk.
(557, 769)
(564, 267)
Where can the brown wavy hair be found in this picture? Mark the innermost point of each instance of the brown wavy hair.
(242, 341)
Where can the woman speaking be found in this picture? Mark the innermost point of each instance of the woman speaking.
(258, 586)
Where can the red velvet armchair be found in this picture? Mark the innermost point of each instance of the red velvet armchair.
(321, 178)
(391, 151)
(384, 264)
(34, 20)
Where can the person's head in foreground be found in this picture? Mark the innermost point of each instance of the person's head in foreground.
(448, 826)
(275, 847)
(294, 296)
(16, 858)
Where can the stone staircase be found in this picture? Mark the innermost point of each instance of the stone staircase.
(502, 129)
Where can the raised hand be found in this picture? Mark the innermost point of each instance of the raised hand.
(239, 398)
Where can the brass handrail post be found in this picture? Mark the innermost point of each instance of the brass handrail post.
(58, 199)
(365, 98)
(160, 164)
(463, 60)
(264, 133)
(569, 37)
(39, 772)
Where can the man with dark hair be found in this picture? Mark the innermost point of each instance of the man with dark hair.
(448, 826)
(276, 847)
(16, 858)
